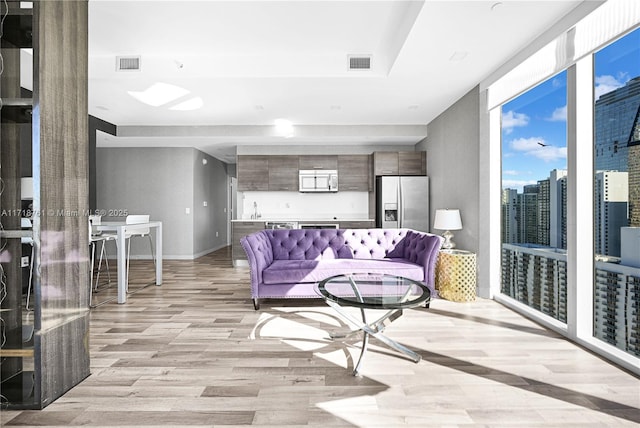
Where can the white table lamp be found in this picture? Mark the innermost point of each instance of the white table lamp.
(447, 220)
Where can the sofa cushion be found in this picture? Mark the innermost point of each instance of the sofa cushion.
(316, 244)
(295, 271)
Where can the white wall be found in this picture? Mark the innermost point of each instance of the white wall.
(210, 231)
(301, 206)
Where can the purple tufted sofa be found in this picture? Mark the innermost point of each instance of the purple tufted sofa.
(288, 263)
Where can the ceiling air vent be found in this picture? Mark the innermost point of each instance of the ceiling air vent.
(359, 62)
(128, 63)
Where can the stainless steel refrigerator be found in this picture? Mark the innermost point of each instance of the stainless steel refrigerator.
(402, 202)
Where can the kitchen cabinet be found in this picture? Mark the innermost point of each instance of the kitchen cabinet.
(318, 162)
(385, 163)
(253, 172)
(399, 163)
(283, 173)
(354, 173)
(238, 230)
(412, 163)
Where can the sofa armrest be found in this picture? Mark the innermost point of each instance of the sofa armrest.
(423, 249)
(259, 255)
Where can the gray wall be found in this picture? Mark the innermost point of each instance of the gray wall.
(164, 182)
(452, 146)
(210, 186)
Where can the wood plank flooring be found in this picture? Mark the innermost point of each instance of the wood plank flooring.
(193, 352)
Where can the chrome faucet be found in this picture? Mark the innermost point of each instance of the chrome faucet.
(255, 214)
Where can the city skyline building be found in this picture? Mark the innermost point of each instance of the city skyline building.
(616, 124)
(528, 215)
(611, 211)
(558, 208)
(509, 216)
(544, 207)
(538, 215)
(634, 183)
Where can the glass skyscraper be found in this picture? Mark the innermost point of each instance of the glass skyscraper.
(616, 126)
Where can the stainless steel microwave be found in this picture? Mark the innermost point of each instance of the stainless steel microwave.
(318, 180)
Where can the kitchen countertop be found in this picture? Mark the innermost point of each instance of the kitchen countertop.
(305, 220)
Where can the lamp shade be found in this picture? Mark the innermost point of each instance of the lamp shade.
(447, 220)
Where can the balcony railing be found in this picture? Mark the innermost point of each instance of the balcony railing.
(537, 277)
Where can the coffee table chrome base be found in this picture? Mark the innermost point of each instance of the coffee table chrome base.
(374, 329)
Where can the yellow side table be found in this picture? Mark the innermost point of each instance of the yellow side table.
(456, 275)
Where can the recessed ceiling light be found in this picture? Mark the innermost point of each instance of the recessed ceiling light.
(258, 107)
(496, 6)
(284, 128)
(335, 107)
(102, 108)
(413, 107)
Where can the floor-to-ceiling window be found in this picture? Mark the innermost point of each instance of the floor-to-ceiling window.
(570, 210)
(616, 311)
(534, 183)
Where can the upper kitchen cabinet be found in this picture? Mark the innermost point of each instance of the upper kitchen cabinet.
(283, 173)
(253, 172)
(412, 163)
(399, 163)
(354, 173)
(318, 162)
(385, 163)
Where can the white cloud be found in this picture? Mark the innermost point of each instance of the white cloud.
(517, 184)
(512, 119)
(510, 172)
(550, 153)
(607, 83)
(526, 144)
(559, 115)
(532, 147)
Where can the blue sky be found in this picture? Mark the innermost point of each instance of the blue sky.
(534, 124)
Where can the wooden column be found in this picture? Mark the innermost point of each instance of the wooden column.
(60, 160)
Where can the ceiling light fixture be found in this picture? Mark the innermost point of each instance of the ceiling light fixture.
(159, 94)
(496, 6)
(284, 128)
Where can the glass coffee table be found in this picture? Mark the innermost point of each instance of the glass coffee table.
(373, 291)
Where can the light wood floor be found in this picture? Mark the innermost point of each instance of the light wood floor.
(193, 352)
